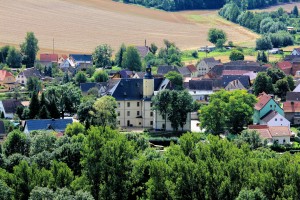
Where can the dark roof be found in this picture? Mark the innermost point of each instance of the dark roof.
(84, 87)
(140, 74)
(143, 50)
(29, 72)
(201, 84)
(245, 80)
(184, 71)
(82, 57)
(58, 125)
(290, 57)
(2, 127)
(132, 89)
(270, 115)
(10, 105)
(293, 96)
(211, 62)
(126, 73)
(164, 69)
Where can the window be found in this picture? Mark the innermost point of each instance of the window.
(128, 113)
(151, 123)
(140, 123)
(119, 105)
(119, 122)
(128, 104)
(283, 140)
(274, 106)
(137, 113)
(275, 119)
(151, 114)
(118, 113)
(138, 104)
(151, 104)
(270, 106)
(281, 119)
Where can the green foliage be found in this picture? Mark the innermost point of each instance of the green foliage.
(249, 137)
(16, 142)
(263, 83)
(5, 191)
(80, 78)
(14, 58)
(3, 53)
(176, 80)
(236, 55)
(295, 11)
(102, 56)
(275, 74)
(100, 76)
(256, 194)
(83, 112)
(30, 48)
(170, 55)
(44, 113)
(42, 141)
(264, 43)
(34, 106)
(227, 110)
(216, 34)
(62, 174)
(119, 55)
(131, 59)
(33, 84)
(66, 78)
(74, 129)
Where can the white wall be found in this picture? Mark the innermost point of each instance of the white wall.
(278, 120)
(281, 139)
(159, 122)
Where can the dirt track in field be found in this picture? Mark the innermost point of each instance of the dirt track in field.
(79, 26)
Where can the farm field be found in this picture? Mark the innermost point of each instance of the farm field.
(79, 26)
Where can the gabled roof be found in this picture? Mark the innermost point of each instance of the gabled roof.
(45, 57)
(82, 57)
(284, 65)
(211, 62)
(234, 72)
(269, 116)
(263, 131)
(235, 85)
(4, 74)
(279, 131)
(290, 57)
(139, 74)
(201, 85)
(297, 49)
(245, 80)
(131, 89)
(29, 72)
(293, 96)
(263, 99)
(143, 50)
(2, 127)
(84, 87)
(184, 71)
(58, 125)
(164, 69)
(291, 106)
(10, 105)
(126, 73)
(192, 68)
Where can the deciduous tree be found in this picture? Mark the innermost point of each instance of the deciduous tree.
(102, 56)
(30, 48)
(132, 59)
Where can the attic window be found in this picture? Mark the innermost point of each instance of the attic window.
(125, 94)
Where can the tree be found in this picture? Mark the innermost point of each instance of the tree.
(66, 78)
(295, 11)
(264, 43)
(66, 98)
(119, 55)
(34, 106)
(41, 193)
(100, 76)
(80, 78)
(153, 48)
(220, 43)
(216, 34)
(5, 191)
(75, 129)
(281, 88)
(33, 84)
(236, 55)
(291, 82)
(3, 53)
(250, 137)
(176, 80)
(42, 141)
(83, 112)
(30, 48)
(132, 59)
(258, 58)
(256, 194)
(102, 56)
(54, 114)
(62, 174)
(162, 103)
(275, 74)
(104, 112)
(263, 83)
(14, 58)
(16, 142)
(23, 175)
(264, 57)
(44, 113)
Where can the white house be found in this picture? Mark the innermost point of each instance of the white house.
(296, 52)
(273, 118)
(9, 107)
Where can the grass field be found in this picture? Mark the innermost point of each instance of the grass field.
(79, 26)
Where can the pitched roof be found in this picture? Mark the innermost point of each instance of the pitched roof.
(126, 73)
(290, 57)
(192, 68)
(4, 74)
(131, 89)
(82, 57)
(140, 74)
(45, 57)
(184, 71)
(2, 127)
(263, 131)
(200, 85)
(235, 85)
(164, 69)
(10, 105)
(234, 72)
(143, 50)
(84, 87)
(279, 131)
(269, 116)
(293, 96)
(263, 99)
(245, 80)
(29, 72)
(291, 106)
(297, 49)
(48, 124)
(284, 65)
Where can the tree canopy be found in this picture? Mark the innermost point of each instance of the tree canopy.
(102, 56)
(30, 48)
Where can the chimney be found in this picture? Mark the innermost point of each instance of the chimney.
(145, 42)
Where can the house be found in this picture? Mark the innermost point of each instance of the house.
(273, 134)
(193, 70)
(57, 125)
(273, 118)
(200, 89)
(133, 97)
(184, 71)
(26, 73)
(293, 96)
(124, 73)
(143, 50)
(285, 66)
(61, 59)
(82, 61)
(9, 107)
(205, 65)
(101, 87)
(292, 111)
(139, 75)
(296, 52)
(46, 59)
(235, 85)
(236, 80)
(295, 66)
(66, 64)
(7, 80)
(297, 88)
(265, 104)
(164, 69)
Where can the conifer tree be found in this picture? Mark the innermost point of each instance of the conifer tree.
(44, 113)
(54, 113)
(258, 58)
(264, 57)
(34, 105)
(43, 101)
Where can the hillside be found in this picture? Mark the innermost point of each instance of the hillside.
(79, 26)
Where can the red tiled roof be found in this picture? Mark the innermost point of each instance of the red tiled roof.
(192, 68)
(263, 99)
(234, 72)
(4, 74)
(278, 131)
(45, 57)
(258, 126)
(291, 106)
(284, 65)
(64, 56)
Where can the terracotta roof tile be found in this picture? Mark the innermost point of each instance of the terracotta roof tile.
(263, 99)
(4, 74)
(291, 106)
(278, 131)
(284, 65)
(192, 68)
(45, 57)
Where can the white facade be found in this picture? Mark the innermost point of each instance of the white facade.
(281, 139)
(277, 120)
(21, 79)
(295, 53)
(159, 123)
(6, 115)
(200, 95)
